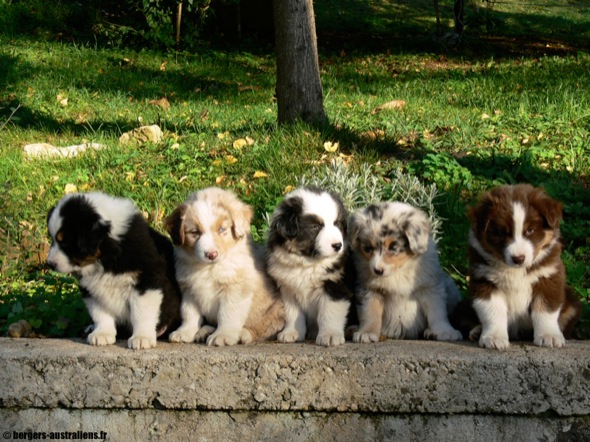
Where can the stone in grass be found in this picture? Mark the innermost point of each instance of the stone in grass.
(143, 134)
(45, 150)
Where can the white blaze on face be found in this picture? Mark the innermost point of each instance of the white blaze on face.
(520, 251)
(329, 240)
(205, 245)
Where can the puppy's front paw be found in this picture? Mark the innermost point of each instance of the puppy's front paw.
(365, 337)
(246, 336)
(203, 333)
(329, 339)
(288, 336)
(549, 340)
(447, 334)
(494, 341)
(100, 338)
(221, 339)
(141, 342)
(182, 335)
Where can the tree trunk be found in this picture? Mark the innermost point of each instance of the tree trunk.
(299, 87)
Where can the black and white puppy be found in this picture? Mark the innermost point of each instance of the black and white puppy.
(307, 255)
(125, 268)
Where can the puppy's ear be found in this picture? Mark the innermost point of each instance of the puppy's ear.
(90, 242)
(285, 220)
(479, 215)
(416, 227)
(550, 209)
(240, 213)
(174, 225)
(358, 221)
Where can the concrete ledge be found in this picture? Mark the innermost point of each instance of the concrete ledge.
(389, 389)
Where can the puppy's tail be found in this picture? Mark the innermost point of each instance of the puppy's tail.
(270, 323)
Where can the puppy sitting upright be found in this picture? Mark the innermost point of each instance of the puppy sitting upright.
(125, 268)
(222, 282)
(403, 291)
(517, 278)
(307, 254)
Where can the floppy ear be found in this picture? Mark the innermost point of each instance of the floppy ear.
(550, 209)
(90, 242)
(174, 225)
(416, 227)
(240, 213)
(479, 215)
(284, 222)
(357, 222)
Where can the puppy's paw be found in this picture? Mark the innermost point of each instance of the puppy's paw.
(498, 342)
(475, 333)
(100, 338)
(550, 340)
(246, 336)
(182, 335)
(365, 337)
(447, 334)
(330, 339)
(203, 333)
(141, 342)
(288, 336)
(221, 339)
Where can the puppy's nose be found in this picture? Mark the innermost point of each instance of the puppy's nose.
(337, 246)
(378, 271)
(211, 256)
(51, 265)
(518, 259)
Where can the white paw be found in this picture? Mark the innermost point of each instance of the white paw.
(141, 342)
(203, 333)
(289, 336)
(447, 334)
(221, 339)
(365, 337)
(549, 340)
(330, 339)
(101, 338)
(494, 341)
(182, 335)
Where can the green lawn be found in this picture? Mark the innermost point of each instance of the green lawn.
(510, 104)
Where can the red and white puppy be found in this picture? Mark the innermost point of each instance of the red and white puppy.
(517, 277)
(226, 296)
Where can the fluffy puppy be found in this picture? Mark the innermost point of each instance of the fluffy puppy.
(125, 268)
(307, 254)
(226, 297)
(403, 292)
(517, 277)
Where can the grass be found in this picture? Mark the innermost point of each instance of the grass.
(511, 104)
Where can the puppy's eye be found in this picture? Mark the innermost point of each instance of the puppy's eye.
(60, 236)
(368, 249)
(315, 227)
(193, 232)
(222, 230)
(529, 231)
(392, 248)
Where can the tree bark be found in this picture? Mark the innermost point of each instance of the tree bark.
(299, 87)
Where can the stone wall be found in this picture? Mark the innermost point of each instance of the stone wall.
(393, 390)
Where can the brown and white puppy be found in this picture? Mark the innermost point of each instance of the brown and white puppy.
(517, 277)
(403, 291)
(226, 297)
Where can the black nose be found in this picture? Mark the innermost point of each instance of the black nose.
(337, 246)
(518, 260)
(51, 265)
(378, 271)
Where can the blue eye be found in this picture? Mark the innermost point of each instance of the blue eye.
(222, 230)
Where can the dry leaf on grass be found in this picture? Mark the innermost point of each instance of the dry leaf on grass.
(162, 102)
(390, 105)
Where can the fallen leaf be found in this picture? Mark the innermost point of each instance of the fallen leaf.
(239, 143)
(70, 188)
(230, 159)
(260, 174)
(390, 105)
(162, 102)
(248, 88)
(331, 147)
